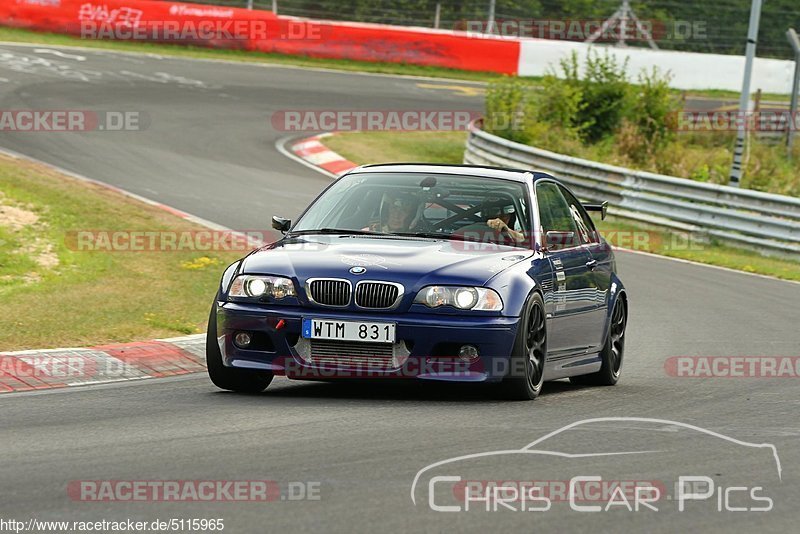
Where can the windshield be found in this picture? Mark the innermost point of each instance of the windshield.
(424, 205)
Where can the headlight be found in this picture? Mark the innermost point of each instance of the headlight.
(463, 298)
(256, 286)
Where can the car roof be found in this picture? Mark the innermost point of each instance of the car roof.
(518, 175)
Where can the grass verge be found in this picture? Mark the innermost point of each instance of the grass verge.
(448, 147)
(54, 294)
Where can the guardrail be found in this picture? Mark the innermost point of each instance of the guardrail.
(767, 223)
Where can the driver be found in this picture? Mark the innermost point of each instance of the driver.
(496, 227)
(499, 220)
(396, 215)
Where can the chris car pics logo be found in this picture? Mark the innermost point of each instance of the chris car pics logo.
(635, 465)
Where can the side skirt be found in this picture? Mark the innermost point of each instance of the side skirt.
(564, 367)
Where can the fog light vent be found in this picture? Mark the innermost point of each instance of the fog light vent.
(468, 353)
(242, 340)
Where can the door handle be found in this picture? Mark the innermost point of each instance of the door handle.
(591, 264)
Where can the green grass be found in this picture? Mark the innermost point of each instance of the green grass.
(724, 94)
(427, 147)
(93, 297)
(664, 242)
(448, 147)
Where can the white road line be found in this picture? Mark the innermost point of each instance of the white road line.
(58, 53)
(265, 64)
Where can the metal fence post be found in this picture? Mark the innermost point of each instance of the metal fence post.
(744, 99)
(795, 42)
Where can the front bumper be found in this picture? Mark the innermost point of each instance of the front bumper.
(428, 344)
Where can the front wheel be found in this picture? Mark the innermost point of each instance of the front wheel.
(613, 350)
(239, 380)
(526, 375)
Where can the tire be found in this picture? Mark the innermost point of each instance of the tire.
(239, 380)
(526, 374)
(613, 350)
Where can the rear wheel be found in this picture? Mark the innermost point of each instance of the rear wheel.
(239, 380)
(526, 376)
(613, 350)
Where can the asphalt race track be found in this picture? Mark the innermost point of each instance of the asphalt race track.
(209, 149)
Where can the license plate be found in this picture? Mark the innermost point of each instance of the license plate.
(349, 330)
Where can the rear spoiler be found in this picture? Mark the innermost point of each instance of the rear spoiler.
(602, 207)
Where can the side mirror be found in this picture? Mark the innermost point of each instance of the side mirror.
(281, 224)
(602, 207)
(559, 239)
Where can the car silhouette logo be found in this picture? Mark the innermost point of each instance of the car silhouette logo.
(358, 270)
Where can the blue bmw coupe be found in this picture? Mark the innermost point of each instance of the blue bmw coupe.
(429, 272)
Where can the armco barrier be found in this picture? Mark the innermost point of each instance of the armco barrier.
(285, 35)
(763, 222)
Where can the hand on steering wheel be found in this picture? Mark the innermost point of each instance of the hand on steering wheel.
(497, 225)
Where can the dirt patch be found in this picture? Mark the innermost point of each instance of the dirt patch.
(15, 217)
(46, 257)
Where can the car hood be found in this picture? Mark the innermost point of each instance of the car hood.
(412, 262)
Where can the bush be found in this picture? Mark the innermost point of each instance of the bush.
(594, 113)
(654, 112)
(508, 109)
(768, 169)
(561, 104)
(604, 93)
(655, 108)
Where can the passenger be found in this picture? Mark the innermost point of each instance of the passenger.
(396, 214)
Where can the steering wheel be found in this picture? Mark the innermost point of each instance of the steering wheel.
(424, 225)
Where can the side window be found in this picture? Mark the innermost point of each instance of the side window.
(586, 229)
(554, 212)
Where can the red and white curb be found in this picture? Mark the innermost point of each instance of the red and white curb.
(58, 368)
(317, 154)
(40, 369)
